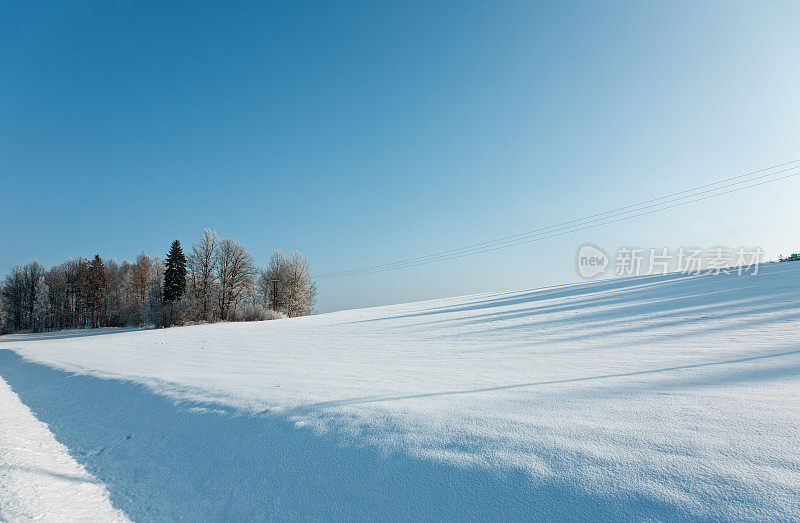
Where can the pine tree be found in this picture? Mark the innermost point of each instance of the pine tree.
(175, 273)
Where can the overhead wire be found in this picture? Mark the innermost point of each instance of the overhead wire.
(595, 220)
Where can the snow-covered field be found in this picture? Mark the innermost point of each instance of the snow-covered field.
(663, 397)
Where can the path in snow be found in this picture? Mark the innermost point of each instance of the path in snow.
(38, 478)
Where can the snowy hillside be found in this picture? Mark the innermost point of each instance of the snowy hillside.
(666, 397)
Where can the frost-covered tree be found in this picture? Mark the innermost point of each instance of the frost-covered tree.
(219, 280)
(286, 285)
(301, 291)
(41, 306)
(202, 264)
(2, 312)
(272, 283)
(115, 299)
(153, 310)
(235, 273)
(64, 292)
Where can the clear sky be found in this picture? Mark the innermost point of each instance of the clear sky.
(363, 133)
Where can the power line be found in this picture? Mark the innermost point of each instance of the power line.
(609, 221)
(517, 239)
(579, 227)
(519, 235)
(603, 218)
(605, 215)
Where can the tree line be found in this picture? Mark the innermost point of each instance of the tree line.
(217, 280)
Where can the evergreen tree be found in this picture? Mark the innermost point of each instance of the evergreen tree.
(175, 273)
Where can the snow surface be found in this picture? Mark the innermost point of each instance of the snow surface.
(38, 478)
(663, 397)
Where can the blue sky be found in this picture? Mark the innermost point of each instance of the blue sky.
(363, 133)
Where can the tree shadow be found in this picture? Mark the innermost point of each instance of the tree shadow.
(547, 293)
(163, 460)
(689, 326)
(624, 306)
(74, 478)
(66, 334)
(792, 370)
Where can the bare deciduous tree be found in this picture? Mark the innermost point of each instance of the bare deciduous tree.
(235, 273)
(272, 283)
(19, 292)
(202, 264)
(14, 299)
(41, 306)
(2, 312)
(140, 275)
(80, 293)
(32, 272)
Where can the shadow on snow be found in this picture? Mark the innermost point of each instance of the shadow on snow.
(166, 460)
